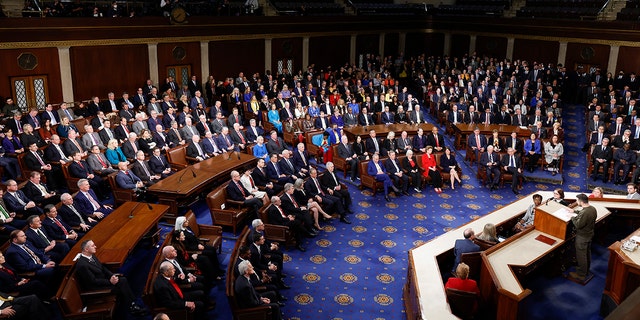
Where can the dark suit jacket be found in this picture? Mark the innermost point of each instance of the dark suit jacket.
(327, 182)
(166, 295)
(83, 205)
(297, 160)
(234, 193)
(361, 120)
(127, 181)
(289, 208)
(246, 294)
(598, 153)
(139, 171)
(251, 136)
(12, 204)
(66, 214)
(484, 159)
(92, 276)
(32, 162)
(259, 178)
(70, 148)
(120, 133)
(416, 142)
(504, 161)
(22, 261)
(391, 169)
(431, 141)
(127, 149)
(79, 171)
(52, 229)
(104, 136)
(158, 166)
(46, 116)
(272, 147)
(192, 150)
(285, 168)
(522, 122)
(32, 192)
(370, 146)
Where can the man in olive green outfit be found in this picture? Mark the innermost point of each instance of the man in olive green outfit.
(584, 222)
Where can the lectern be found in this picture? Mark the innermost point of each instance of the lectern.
(552, 218)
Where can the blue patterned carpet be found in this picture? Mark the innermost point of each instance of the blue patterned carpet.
(357, 271)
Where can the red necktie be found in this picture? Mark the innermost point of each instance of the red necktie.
(80, 163)
(61, 226)
(281, 213)
(318, 186)
(177, 288)
(241, 137)
(7, 271)
(437, 143)
(295, 204)
(241, 189)
(104, 165)
(253, 185)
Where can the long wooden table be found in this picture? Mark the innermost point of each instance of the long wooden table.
(118, 233)
(197, 178)
(383, 129)
(424, 294)
(463, 130)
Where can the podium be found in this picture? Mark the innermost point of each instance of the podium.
(553, 218)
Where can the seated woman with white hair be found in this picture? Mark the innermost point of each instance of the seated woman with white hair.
(192, 243)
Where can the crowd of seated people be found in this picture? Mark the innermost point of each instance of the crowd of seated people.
(129, 136)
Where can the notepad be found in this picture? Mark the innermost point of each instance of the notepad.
(545, 239)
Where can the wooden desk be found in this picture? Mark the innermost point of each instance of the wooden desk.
(197, 178)
(424, 294)
(623, 273)
(118, 233)
(463, 130)
(382, 130)
(552, 218)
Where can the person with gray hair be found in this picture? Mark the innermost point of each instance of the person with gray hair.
(278, 216)
(248, 297)
(236, 191)
(168, 294)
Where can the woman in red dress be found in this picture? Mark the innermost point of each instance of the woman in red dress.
(430, 168)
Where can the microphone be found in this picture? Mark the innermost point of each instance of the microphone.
(181, 175)
(547, 202)
(149, 206)
(193, 173)
(133, 209)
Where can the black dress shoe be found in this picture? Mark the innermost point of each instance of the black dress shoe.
(345, 220)
(137, 310)
(282, 285)
(301, 248)
(387, 198)
(516, 192)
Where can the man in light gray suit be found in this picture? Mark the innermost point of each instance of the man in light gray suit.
(189, 130)
(91, 138)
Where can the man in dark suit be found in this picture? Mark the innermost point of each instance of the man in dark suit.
(376, 169)
(514, 142)
(237, 192)
(130, 147)
(38, 192)
(17, 202)
(49, 114)
(393, 168)
(436, 140)
(238, 137)
(159, 164)
(249, 297)
(420, 142)
(196, 150)
(365, 119)
(142, 169)
(332, 203)
(503, 117)
(107, 133)
(301, 159)
(86, 201)
(512, 163)
(35, 161)
(127, 179)
(15, 123)
(519, 119)
(602, 156)
(261, 179)
(73, 145)
(25, 258)
(224, 141)
(321, 122)
(477, 142)
(57, 229)
(278, 216)
(373, 144)
(329, 182)
(465, 245)
(275, 144)
(299, 210)
(8, 220)
(287, 168)
(253, 131)
(70, 214)
(37, 238)
(490, 161)
(168, 294)
(174, 135)
(190, 281)
(345, 151)
(81, 169)
(93, 275)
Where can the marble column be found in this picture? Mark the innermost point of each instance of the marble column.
(204, 61)
(154, 75)
(562, 53)
(472, 43)
(305, 53)
(510, 42)
(66, 79)
(267, 55)
(613, 59)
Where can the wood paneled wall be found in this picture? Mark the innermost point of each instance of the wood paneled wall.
(587, 54)
(191, 58)
(536, 50)
(227, 58)
(329, 51)
(286, 48)
(628, 60)
(491, 46)
(48, 65)
(100, 69)
(367, 43)
(460, 45)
